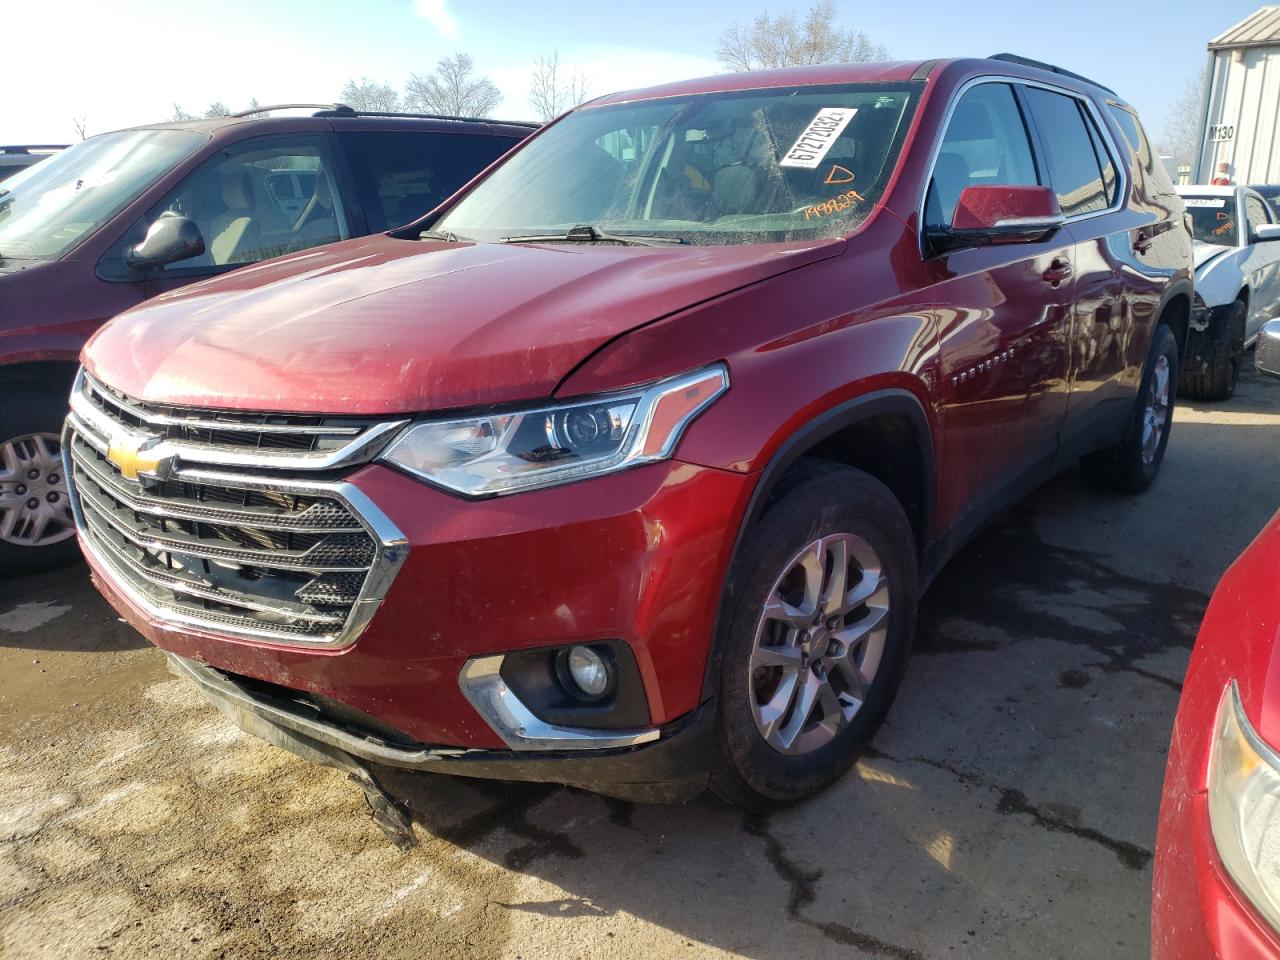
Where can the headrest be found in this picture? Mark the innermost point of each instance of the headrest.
(237, 190)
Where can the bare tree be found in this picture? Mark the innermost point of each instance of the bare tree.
(1183, 128)
(180, 114)
(79, 123)
(370, 95)
(553, 91)
(218, 109)
(254, 108)
(783, 41)
(452, 89)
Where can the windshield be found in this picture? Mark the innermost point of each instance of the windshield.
(48, 208)
(766, 165)
(1213, 219)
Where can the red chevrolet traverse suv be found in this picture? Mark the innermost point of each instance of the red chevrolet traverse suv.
(627, 466)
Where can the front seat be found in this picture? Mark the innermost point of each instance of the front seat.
(316, 224)
(234, 234)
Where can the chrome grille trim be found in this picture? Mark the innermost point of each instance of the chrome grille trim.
(90, 400)
(321, 553)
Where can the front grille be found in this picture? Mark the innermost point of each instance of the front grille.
(246, 432)
(251, 553)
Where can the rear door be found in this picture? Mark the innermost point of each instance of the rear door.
(1116, 293)
(1003, 313)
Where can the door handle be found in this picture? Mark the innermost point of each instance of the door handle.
(1058, 271)
(1142, 242)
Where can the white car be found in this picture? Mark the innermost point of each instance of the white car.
(1237, 259)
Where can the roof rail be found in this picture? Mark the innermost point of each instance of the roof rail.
(28, 147)
(348, 112)
(1040, 64)
(341, 108)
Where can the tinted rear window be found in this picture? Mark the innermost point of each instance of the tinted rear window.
(1074, 172)
(404, 174)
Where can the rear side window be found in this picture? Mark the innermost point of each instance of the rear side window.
(985, 144)
(1074, 171)
(1152, 165)
(404, 175)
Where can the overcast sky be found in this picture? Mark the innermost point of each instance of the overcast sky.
(124, 62)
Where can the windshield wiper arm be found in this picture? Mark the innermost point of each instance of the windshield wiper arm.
(586, 233)
(446, 235)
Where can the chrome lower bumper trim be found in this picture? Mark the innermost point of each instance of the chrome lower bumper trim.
(519, 729)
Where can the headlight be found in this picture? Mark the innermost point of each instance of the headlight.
(526, 449)
(1244, 806)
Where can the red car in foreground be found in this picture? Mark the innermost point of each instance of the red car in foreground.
(627, 466)
(1217, 874)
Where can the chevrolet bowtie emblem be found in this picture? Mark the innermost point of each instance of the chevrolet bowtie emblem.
(136, 456)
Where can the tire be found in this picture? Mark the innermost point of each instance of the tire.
(1132, 465)
(32, 540)
(1213, 374)
(838, 509)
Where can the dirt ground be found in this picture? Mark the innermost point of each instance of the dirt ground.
(1007, 809)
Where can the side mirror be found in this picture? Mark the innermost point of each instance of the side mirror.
(1266, 355)
(1268, 231)
(168, 240)
(987, 216)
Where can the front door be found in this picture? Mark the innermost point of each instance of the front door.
(1003, 315)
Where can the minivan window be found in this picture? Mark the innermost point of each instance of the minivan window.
(411, 174)
(48, 208)
(986, 144)
(724, 168)
(1073, 164)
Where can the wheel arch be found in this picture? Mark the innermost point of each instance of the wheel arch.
(885, 433)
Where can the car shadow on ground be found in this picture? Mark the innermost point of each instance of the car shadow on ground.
(36, 612)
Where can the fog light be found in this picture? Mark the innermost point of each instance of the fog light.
(589, 671)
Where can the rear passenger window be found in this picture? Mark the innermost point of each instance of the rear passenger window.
(985, 144)
(1074, 171)
(404, 175)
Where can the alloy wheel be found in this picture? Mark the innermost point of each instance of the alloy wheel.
(819, 643)
(1155, 417)
(35, 508)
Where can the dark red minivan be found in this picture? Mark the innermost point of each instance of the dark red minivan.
(626, 467)
(121, 217)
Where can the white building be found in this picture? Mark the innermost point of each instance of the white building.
(1242, 99)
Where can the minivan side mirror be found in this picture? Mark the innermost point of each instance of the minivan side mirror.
(1267, 231)
(991, 215)
(169, 239)
(1266, 355)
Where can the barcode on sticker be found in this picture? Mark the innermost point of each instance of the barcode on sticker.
(823, 130)
(1217, 203)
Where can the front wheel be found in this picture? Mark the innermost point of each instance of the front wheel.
(37, 531)
(818, 638)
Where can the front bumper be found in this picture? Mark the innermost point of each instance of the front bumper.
(672, 767)
(639, 556)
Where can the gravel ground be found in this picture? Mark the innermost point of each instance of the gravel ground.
(1007, 809)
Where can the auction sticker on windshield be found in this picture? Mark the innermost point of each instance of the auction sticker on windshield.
(823, 130)
(1217, 203)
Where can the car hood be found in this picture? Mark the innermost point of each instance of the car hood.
(381, 325)
(1202, 253)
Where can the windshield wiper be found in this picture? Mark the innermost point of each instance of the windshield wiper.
(446, 235)
(586, 233)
